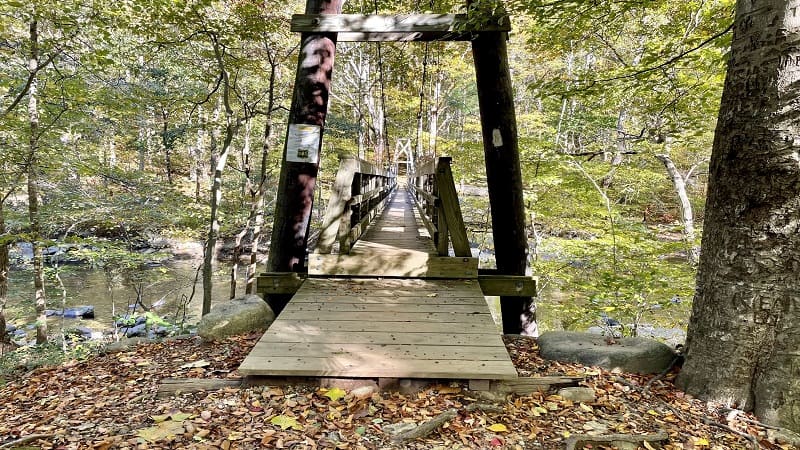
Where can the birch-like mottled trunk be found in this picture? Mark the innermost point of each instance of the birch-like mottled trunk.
(249, 189)
(687, 214)
(3, 275)
(259, 201)
(744, 333)
(33, 191)
(231, 128)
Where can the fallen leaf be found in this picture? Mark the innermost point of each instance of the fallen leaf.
(161, 431)
(701, 442)
(286, 422)
(180, 417)
(498, 428)
(195, 364)
(335, 393)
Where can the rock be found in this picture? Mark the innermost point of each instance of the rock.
(240, 315)
(76, 312)
(83, 312)
(10, 328)
(577, 394)
(640, 355)
(363, 392)
(136, 330)
(124, 345)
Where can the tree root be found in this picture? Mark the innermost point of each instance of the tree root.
(432, 425)
(706, 420)
(427, 427)
(24, 439)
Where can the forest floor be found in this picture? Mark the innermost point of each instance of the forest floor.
(111, 401)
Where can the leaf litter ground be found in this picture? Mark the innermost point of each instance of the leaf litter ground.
(111, 401)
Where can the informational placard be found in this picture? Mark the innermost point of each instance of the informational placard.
(302, 144)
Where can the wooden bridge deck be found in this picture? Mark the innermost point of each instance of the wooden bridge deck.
(396, 244)
(418, 326)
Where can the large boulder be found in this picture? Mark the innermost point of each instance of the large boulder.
(238, 316)
(639, 355)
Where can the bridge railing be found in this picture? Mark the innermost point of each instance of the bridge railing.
(359, 193)
(434, 193)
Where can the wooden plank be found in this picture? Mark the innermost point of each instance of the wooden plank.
(451, 208)
(282, 325)
(402, 263)
(308, 300)
(508, 285)
(387, 283)
(341, 366)
(456, 24)
(312, 317)
(371, 351)
(387, 307)
(278, 282)
(379, 337)
(394, 296)
(529, 385)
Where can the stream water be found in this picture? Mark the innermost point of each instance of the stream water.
(163, 289)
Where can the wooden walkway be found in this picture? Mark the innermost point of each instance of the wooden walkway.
(398, 328)
(391, 308)
(396, 244)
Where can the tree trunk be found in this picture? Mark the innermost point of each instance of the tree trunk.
(166, 142)
(33, 191)
(298, 176)
(3, 274)
(249, 189)
(258, 201)
(231, 128)
(744, 332)
(503, 174)
(687, 215)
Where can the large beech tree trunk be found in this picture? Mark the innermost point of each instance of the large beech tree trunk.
(744, 334)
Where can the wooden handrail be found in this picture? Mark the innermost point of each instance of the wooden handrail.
(434, 192)
(359, 193)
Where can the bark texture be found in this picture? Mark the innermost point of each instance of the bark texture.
(744, 334)
(33, 189)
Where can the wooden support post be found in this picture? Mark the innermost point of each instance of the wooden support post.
(503, 175)
(301, 153)
(451, 209)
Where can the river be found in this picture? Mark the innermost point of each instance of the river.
(163, 288)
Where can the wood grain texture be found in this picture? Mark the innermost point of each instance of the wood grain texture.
(396, 328)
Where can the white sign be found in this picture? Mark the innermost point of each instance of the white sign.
(302, 144)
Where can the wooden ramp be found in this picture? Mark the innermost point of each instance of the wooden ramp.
(398, 328)
(392, 305)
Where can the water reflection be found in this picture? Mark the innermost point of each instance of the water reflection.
(164, 289)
